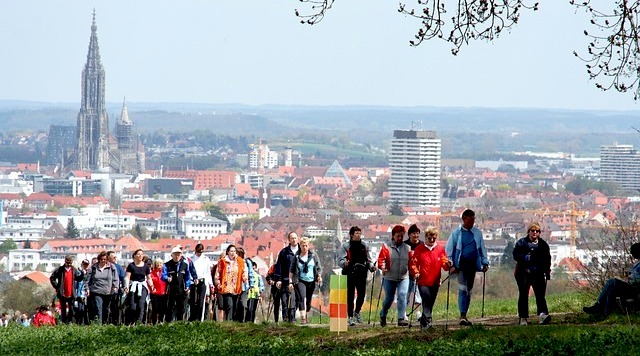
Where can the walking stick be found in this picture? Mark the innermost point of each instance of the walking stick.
(373, 279)
(446, 324)
(415, 290)
(203, 305)
(484, 278)
(379, 296)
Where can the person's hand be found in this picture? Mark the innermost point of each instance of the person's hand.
(372, 268)
(453, 270)
(278, 284)
(417, 276)
(346, 263)
(196, 282)
(88, 292)
(126, 290)
(485, 268)
(319, 281)
(290, 286)
(527, 258)
(169, 279)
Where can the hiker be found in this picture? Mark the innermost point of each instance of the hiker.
(80, 305)
(254, 294)
(178, 275)
(466, 250)
(200, 289)
(429, 259)
(116, 302)
(413, 240)
(355, 259)
(64, 280)
(100, 288)
(218, 309)
(393, 261)
(305, 272)
(158, 293)
(137, 284)
(286, 257)
(617, 288)
(239, 313)
(533, 270)
(275, 293)
(229, 277)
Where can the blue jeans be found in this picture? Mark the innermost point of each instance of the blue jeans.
(466, 278)
(390, 288)
(613, 289)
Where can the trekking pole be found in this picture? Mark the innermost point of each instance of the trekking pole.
(373, 279)
(379, 296)
(203, 305)
(484, 278)
(446, 324)
(415, 290)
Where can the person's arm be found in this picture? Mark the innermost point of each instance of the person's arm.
(115, 279)
(192, 270)
(382, 259)
(483, 251)
(150, 284)
(343, 261)
(53, 279)
(450, 249)
(164, 276)
(370, 265)
(414, 266)
(127, 280)
(318, 269)
(88, 282)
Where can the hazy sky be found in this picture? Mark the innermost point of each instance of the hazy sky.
(256, 52)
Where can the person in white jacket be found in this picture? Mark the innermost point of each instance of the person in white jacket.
(201, 288)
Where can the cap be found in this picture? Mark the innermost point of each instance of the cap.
(176, 249)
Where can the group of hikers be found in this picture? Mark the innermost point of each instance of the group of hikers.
(194, 289)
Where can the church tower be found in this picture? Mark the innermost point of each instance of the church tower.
(92, 151)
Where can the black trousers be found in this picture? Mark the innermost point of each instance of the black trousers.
(99, 307)
(175, 307)
(137, 307)
(66, 309)
(197, 300)
(356, 281)
(304, 293)
(229, 305)
(252, 306)
(538, 282)
(158, 308)
(241, 308)
(288, 302)
(275, 296)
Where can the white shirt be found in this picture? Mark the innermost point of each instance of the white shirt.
(202, 265)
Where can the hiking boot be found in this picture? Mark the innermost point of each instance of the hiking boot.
(465, 322)
(403, 322)
(358, 318)
(545, 319)
(593, 310)
(383, 321)
(523, 321)
(352, 321)
(425, 323)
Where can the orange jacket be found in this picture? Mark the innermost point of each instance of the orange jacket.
(429, 263)
(221, 274)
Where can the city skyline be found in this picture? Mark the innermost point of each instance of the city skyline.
(255, 53)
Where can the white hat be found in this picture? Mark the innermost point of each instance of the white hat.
(176, 249)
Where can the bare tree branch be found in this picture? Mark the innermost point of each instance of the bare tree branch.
(318, 9)
(613, 50)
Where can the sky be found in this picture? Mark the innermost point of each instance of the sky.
(256, 52)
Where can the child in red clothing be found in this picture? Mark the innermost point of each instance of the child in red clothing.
(43, 317)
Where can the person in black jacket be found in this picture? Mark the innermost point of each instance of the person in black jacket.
(533, 269)
(64, 280)
(286, 257)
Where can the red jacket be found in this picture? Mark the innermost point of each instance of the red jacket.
(429, 263)
(41, 319)
(159, 285)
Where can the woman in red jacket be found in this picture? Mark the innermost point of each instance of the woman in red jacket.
(158, 293)
(429, 259)
(43, 317)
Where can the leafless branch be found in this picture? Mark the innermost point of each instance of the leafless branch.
(318, 10)
(613, 51)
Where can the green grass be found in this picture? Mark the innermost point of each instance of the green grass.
(571, 333)
(256, 339)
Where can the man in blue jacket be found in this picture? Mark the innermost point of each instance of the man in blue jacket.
(465, 248)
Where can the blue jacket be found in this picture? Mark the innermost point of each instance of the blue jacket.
(454, 247)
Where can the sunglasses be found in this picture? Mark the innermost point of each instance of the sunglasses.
(432, 237)
(538, 231)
